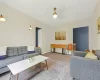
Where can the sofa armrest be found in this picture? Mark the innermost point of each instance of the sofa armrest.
(84, 69)
(37, 50)
(79, 53)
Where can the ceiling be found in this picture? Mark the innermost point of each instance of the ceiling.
(67, 10)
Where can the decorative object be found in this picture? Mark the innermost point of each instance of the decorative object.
(54, 14)
(70, 48)
(2, 19)
(31, 58)
(30, 28)
(98, 25)
(60, 35)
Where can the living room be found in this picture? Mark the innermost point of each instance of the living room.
(18, 34)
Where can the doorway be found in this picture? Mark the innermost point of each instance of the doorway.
(81, 38)
(38, 37)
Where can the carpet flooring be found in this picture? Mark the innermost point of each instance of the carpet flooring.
(53, 59)
(59, 71)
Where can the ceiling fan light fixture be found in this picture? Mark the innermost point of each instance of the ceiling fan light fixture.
(30, 28)
(2, 18)
(54, 14)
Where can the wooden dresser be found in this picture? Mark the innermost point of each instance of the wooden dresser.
(62, 46)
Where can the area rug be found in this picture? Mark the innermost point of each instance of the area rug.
(59, 71)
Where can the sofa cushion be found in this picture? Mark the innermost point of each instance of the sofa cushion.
(79, 53)
(22, 50)
(12, 51)
(28, 55)
(10, 60)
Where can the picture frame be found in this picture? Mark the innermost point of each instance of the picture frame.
(60, 35)
(98, 25)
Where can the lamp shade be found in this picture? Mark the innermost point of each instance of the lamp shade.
(54, 15)
(30, 28)
(2, 18)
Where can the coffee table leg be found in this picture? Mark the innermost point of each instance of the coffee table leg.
(46, 64)
(17, 76)
(10, 76)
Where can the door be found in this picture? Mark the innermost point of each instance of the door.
(38, 37)
(81, 38)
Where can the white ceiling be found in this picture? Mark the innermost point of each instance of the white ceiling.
(67, 10)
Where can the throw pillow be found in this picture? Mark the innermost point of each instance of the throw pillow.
(90, 55)
(31, 49)
(3, 57)
(3, 52)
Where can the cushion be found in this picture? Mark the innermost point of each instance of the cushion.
(12, 51)
(28, 55)
(3, 52)
(79, 53)
(22, 50)
(31, 52)
(10, 60)
(90, 55)
(3, 57)
(30, 48)
(4, 69)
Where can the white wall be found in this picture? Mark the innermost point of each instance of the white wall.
(68, 27)
(94, 38)
(15, 30)
(95, 17)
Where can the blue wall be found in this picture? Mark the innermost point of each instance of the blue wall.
(81, 38)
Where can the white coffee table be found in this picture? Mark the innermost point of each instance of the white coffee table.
(20, 66)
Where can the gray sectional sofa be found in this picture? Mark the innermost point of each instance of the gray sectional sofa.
(15, 54)
(82, 68)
